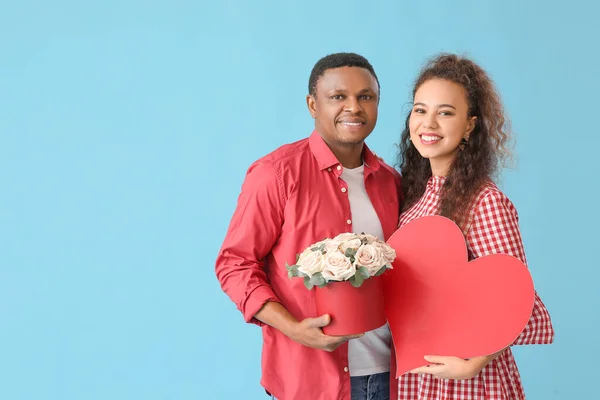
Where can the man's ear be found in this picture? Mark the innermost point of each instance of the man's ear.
(311, 104)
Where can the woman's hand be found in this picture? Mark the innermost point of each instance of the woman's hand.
(453, 367)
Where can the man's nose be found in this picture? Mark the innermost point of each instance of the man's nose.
(353, 105)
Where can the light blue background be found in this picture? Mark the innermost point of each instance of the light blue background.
(125, 131)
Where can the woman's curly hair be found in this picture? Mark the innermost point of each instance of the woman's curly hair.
(481, 158)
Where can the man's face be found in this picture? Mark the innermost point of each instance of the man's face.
(345, 106)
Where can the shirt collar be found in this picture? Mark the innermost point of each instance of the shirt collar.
(326, 159)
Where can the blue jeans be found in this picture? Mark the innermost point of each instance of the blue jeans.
(369, 387)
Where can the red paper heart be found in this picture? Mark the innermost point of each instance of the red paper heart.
(439, 303)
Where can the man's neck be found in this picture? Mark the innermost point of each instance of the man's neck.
(349, 156)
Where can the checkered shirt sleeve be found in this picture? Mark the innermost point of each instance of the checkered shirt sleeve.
(495, 229)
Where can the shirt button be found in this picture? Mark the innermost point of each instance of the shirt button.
(329, 169)
(343, 190)
(349, 222)
(339, 167)
(345, 369)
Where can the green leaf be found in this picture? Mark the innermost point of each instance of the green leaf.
(364, 272)
(317, 279)
(293, 271)
(352, 281)
(307, 283)
(350, 253)
(357, 280)
(381, 271)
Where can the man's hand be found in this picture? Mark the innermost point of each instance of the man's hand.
(309, 333)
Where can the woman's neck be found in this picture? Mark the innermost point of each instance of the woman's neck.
(440, 166)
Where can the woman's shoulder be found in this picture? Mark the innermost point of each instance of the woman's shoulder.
(491, 199)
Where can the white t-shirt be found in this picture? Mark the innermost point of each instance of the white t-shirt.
(369, 354)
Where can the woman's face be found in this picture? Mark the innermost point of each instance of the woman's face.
(438, 121)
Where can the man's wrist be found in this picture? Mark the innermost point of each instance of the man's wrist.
(291, 329)
(275, 315)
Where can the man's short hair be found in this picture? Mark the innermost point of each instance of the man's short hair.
(338, 60)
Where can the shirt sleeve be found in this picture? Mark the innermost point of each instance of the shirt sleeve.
(398, 180)
(495, 229)
(253, 230)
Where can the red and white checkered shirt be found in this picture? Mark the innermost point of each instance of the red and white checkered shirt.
(491, 227)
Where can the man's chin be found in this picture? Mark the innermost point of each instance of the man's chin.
(352, 143)
(354, 139)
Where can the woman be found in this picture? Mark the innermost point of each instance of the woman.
(451, 148)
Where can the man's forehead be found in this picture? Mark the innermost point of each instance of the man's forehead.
(355, 78)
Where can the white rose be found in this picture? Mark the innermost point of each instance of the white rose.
(370, 238)
(332, 246)
(336, 267)
(344, 237)
(350, 244)
(387, 251)
(318, 244)
(310, 262)
(370, 257)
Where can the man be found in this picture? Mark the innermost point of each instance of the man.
(301, 193)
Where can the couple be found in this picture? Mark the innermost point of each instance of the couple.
(331, 183)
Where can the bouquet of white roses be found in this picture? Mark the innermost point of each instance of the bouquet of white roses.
(347, 257)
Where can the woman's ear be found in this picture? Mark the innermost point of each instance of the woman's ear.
(470, 127)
